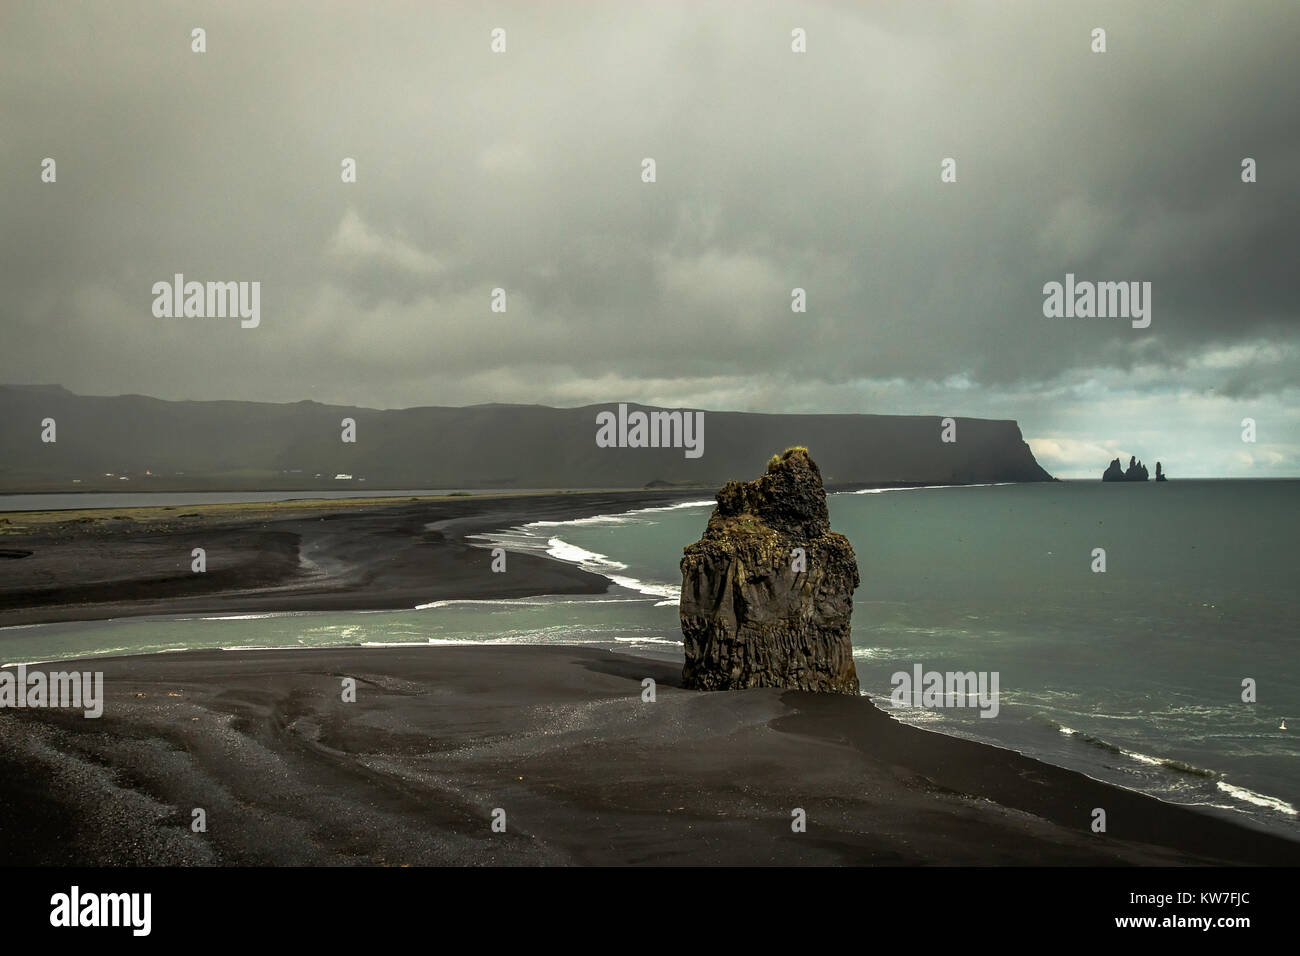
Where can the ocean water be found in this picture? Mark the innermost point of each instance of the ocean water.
(1133, 676)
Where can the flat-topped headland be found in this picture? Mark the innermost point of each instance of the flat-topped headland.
(136, 443)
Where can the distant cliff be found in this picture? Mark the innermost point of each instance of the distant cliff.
(242, 445)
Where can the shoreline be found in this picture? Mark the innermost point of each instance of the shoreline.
(672, 655)
(304, 555)
(417, 528)
(560, 737)
(301, 554)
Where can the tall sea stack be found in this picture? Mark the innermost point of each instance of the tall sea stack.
(767, 592)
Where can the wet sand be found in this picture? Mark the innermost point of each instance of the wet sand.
(368, 554)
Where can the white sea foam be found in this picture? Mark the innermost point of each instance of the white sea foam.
(1142, 758)
(427, 642)
(581, 522)
(526, 638)
(535, 537)
(521, 602)
(591, 560)
(877, 491)
(251, 617)
(669, 593)
(1257, 799)
(603, 564)
(622, 517)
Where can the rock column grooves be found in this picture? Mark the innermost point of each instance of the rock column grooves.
(767, 592)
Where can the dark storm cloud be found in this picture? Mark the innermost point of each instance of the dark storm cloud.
(775, 170)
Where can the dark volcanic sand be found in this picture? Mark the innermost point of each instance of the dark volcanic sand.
(337, 556)
(560, 739)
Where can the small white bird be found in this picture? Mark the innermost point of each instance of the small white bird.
(1283, 727)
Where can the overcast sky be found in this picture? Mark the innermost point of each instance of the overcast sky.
(775, 170)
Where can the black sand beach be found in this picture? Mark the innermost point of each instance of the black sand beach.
(358, 554)
(558, 737)
(561, 740)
